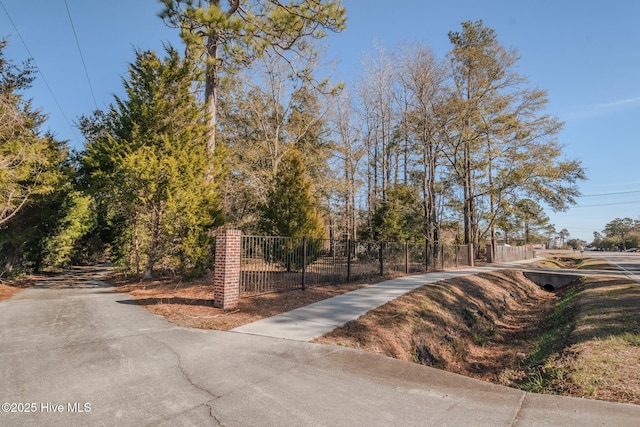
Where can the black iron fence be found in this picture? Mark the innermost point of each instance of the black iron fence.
(271, 264)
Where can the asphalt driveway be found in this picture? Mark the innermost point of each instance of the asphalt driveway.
(75, 353)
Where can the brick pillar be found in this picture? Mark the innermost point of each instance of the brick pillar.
(226, 284)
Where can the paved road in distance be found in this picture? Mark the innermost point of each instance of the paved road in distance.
(626, 261)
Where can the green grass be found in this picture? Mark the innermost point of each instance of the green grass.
(632, 339)
(559, 325)
(589, 346)
(541, 372)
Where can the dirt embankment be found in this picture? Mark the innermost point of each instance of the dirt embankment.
(499, 327)
(475, 325)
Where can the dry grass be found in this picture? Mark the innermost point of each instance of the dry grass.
(603, 357)
(571, 260)
(473, 326)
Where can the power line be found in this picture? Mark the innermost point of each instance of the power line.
(44, 80)
(610, 194)
(605, 204)
(84, 65)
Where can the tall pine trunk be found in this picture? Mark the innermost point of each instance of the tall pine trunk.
(211, 84)
(153, 245)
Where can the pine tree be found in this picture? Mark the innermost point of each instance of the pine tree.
(26, 168)
(290, 210)
(228, 39)
(34, 172)
(399, 217)
(499, 143)
(148, 157)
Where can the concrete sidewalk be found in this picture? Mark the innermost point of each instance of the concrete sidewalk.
(312, 321)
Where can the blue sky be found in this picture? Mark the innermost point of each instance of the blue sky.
(586, 54)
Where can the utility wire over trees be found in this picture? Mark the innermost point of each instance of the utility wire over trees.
(454, 149)
(226, 38)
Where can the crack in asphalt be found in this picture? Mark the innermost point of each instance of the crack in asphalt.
(216, 418)
(189, 380)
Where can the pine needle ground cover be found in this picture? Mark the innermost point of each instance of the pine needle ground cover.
(9, 288)
(190, 304)
(7, 292)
